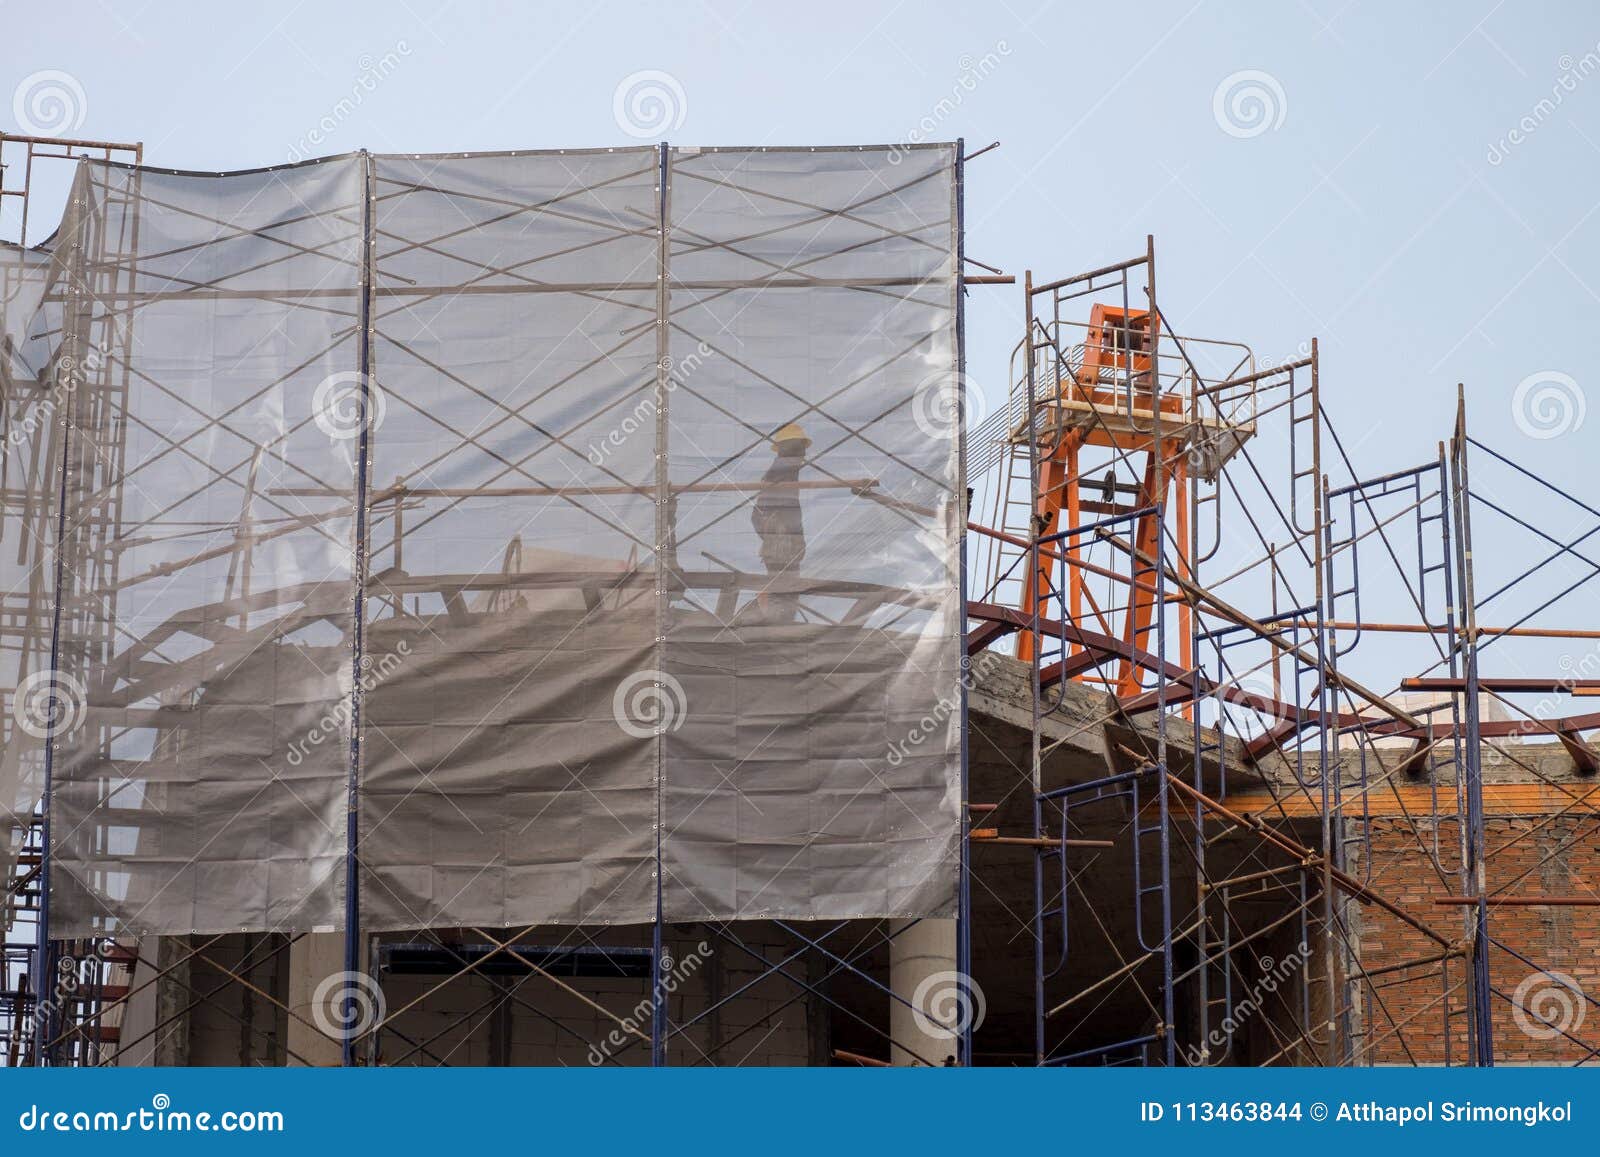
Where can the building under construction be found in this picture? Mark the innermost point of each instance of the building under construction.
(565, 608)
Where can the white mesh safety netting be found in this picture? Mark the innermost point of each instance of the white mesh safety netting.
(648, 595)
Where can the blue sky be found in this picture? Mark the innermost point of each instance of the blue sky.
(1384, 204)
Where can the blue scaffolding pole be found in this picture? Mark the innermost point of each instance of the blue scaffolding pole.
(1480, 1018)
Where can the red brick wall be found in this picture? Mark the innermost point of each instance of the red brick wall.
(1526, 856)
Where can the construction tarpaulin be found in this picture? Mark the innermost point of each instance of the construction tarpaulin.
(577, 530)
(27, 512)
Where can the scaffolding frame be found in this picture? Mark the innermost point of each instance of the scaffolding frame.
(1326, 731)
(46, 1034)
(1217, 701)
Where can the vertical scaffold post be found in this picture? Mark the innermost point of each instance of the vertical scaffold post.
(658, 955)
(1169, 1029)
(1329, 764)
(73, 333)
(1471, 768)
(1330, 769)
(348, 1016)
(1453, 657)
(1032, 612)
(964, 865)
(1158, 455)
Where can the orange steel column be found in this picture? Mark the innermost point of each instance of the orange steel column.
(1058, 492)
(1141, 586)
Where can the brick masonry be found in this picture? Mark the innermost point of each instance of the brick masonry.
(1526, 855)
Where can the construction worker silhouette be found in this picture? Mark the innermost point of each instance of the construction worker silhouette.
(777, 520)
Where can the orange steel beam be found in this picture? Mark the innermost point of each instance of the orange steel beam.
(1509, 686)
(1525, 901)
(1499, 799)
(1428, 629)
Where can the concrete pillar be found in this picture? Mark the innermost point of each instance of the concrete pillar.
(922, 970)
(312, 959)
(174, 1002)
(139, 1015)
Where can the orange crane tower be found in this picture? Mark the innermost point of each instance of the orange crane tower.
(1109, 400)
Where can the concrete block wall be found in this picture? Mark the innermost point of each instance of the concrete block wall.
(237, 1025)
(470, 1022)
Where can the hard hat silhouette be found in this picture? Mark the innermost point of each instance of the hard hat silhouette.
(790, 433)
